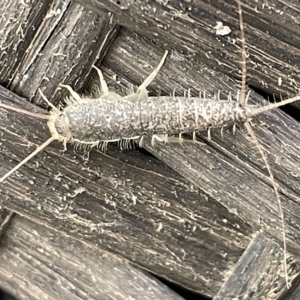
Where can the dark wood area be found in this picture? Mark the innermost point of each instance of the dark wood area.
(255, 267)
(204, 217)
(48, 264)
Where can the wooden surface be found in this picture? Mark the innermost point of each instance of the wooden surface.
(37, 262)
(19, 23)
(190, 228)
(181, 26)
(63, 47)
(124, 202)
(272, 34)
(258, 264)
(277, 131)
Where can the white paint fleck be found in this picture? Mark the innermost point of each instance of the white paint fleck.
(221, 29)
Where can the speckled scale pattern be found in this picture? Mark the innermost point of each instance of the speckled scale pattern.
(103, 120)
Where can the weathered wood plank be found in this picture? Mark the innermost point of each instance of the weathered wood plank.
(245, 180)
(186, 27)
(19, 22)
(258, 265)
(272, 32)
(37, 262)
(19, 102)
(130, 204)
(239, 185)
(62, 49)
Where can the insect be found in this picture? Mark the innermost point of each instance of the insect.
(112, 117)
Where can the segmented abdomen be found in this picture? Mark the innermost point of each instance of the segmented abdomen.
(122, 119)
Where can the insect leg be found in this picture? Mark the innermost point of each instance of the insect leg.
(104, 92)
(103, 85)
(47, 101)
(72, 92)
(151, 77)
(141, 91)
(167, 139)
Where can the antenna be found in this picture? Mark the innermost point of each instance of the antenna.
(25, 112)
(243, 103)
(25, 160)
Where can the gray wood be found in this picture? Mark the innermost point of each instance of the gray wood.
(20, 20)
(7, 97)
(272, 35)
(184, 26)
(37, 262)
(63, 47)
(257, 265)
(224, 171)
(126, 203)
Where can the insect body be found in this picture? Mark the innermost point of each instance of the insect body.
(107, 121)
(114, 118)
(111, 117)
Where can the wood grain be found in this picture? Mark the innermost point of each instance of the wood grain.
(38, 262)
